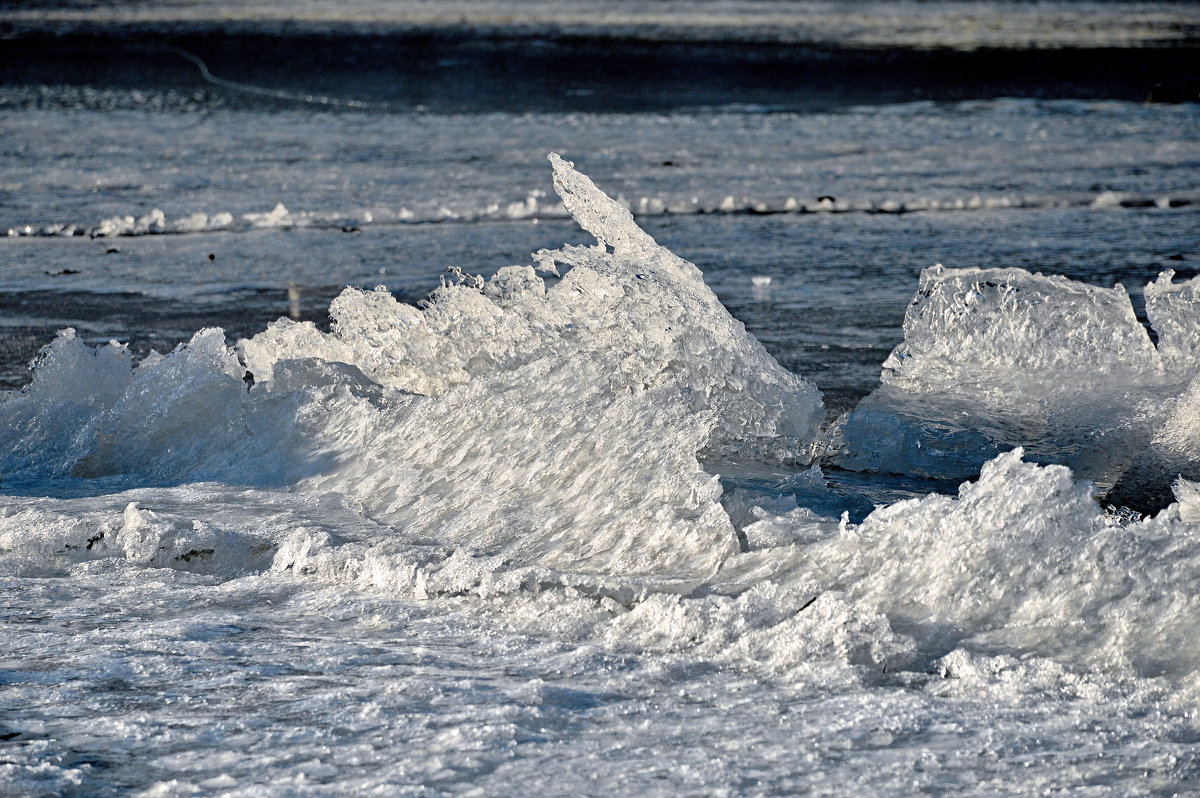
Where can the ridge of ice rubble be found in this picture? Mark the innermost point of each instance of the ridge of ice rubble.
(640, 306)
(995, 358)
(1021, 565)
(541, 444)
(479, 208)
(506, 423)
(1021, 562)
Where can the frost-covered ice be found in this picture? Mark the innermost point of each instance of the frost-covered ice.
(994, 358)
(565, 525)
(476, 422)
(474, 546)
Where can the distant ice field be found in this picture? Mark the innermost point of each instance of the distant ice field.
(961, 24)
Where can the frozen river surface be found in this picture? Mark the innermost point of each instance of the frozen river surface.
(626, 506)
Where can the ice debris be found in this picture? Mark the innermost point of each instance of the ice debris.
(505, 423)
(995, 358)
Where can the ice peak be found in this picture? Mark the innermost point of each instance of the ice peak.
(596, 212)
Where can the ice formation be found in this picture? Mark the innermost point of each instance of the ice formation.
(996, 358)
(444, 532)
(513, 439)
(533, 206)
(1022, 561)
(556, 427)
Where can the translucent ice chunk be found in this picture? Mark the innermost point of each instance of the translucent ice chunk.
(639, 305)
(1174, 311)
(969, 329)
(996, 358)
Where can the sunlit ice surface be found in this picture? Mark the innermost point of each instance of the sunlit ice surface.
(554, 520)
